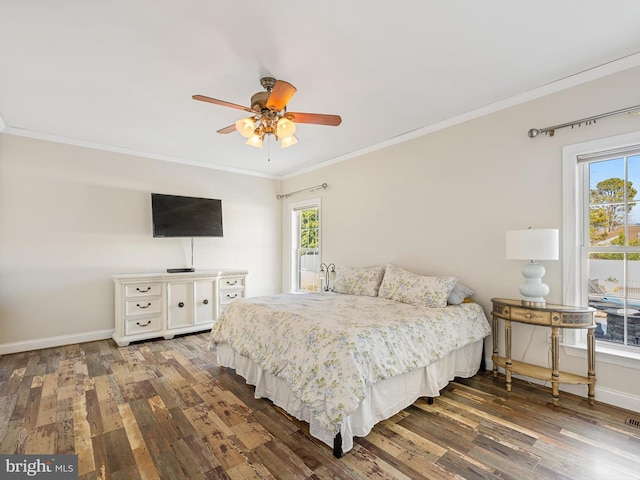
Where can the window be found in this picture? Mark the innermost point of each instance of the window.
(612, 253)
(305, 242)
(601, 239)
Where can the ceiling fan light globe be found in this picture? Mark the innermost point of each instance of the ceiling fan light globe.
(245, 127)
(288, 141)
(285, 128)
(255, 141)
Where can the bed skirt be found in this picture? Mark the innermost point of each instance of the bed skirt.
(384, 399)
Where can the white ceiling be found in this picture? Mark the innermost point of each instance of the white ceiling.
(120, 74)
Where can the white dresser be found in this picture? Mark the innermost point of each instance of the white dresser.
(149, 305)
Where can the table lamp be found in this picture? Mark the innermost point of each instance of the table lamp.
(533, 244)
(328, 274)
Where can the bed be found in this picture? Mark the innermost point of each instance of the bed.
(344, 361)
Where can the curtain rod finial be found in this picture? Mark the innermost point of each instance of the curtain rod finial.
(534, 132)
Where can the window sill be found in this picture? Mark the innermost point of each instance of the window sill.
(605, 354)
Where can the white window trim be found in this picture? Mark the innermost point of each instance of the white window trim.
(298, 206)
(572, 263)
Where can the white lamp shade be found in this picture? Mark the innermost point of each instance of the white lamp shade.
(255, 141)
(288, 141)
(245, 127)
(285, 128)
(533, 244)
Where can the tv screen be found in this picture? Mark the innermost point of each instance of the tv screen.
(176, 216)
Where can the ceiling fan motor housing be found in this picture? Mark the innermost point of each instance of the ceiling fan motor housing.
(259, 101)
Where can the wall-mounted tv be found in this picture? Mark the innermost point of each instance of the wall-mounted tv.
(177, 216)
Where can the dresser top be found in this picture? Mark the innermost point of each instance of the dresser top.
(218, 272)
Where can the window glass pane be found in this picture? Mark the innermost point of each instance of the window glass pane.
(633, 218)
(606, 274)
(306, 254)
(606, 294)
(606, 201)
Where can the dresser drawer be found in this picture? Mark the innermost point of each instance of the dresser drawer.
(235, 283)
(142, 306)
(229, 296)
(142, 289)
(529, 316)
(137, 325)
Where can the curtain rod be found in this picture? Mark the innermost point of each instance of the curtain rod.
(310, 189)
(534, 132)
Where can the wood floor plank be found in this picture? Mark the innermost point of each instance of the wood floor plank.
(7, 405)
(12, 385)
(137, 444)
(163, 409)
(65, 444)
(93, 414)
(82, 436)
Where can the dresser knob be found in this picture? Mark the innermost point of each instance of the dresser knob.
(205, 301)
(181, 304)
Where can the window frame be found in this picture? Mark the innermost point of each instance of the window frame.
(294, 228)
(573, 238)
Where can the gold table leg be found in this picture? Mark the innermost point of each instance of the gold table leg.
(555, 373)
(591, 360)
(494, 356)
(507, 345)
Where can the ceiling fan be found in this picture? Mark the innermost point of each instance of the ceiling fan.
(269, 115)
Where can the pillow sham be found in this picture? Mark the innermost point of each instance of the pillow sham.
(407, 287)
(358, 280)
(459, 293)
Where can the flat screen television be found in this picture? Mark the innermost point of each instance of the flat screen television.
(177, 216)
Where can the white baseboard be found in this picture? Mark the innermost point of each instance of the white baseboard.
(606, 395)
(17, 347)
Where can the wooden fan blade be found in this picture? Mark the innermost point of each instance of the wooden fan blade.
(315, 118)
(280, 95)
(229, 129)
(202, 98)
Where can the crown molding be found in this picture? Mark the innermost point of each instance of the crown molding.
(129, 151)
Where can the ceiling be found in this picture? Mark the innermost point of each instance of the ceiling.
(119, 75)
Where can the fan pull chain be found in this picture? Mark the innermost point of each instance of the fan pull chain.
(268, 148)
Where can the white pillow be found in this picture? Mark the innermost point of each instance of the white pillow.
(459, 293)
(407, 287)
(358, 280)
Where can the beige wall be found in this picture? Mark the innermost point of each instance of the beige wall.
(441, 203)
(70, 217)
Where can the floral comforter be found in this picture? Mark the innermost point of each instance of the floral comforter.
(328, 347)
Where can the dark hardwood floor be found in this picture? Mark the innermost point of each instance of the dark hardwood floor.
(164, 409)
